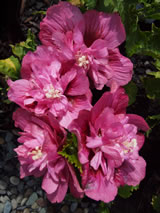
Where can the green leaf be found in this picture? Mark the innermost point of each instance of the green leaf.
(131, 90)
(106, 6)
(156, 202)
(77, 3)
(70, 151)
(10, 67)
(42, 12)
(152, 87)
(152, 121)
(23, 47)
(142, 42)
(137, 41)
(126, 191)
(155, 74)
(154, 117)
(103, 208)
(90, 4)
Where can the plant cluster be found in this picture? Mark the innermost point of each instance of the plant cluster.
(90, 149)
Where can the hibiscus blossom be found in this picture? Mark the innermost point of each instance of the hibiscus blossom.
(41, 140)
(44, 89)
(91, 40)
(109, 142)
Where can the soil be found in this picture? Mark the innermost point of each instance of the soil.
(140, 201)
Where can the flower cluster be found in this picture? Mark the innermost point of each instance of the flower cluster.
(79, 52)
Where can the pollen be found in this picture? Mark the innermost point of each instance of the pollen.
(129, 146)
(51, 92)
(82, 60)
(36, 153)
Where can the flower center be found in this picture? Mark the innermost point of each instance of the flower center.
(51, 92)
(36, 153)
(82, 60)
(130, 145)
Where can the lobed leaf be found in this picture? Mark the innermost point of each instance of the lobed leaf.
(10, 67)
(103, 208)
(155, 74)
(126, 191)
(70, 151)
(23, 47)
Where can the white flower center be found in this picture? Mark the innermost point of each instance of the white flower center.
(82, 60)
(51, 92)
(36, 153)
(130, 145)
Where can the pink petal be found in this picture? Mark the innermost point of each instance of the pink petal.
(112, 154)
(122, 68)
(133, 171)
(62, 18)
(118, 101)
(74, 185)
(100, 25)
(96, 160)
(77, 104)
(78, 86)
(59, 194)
(99, 50)
(99, 188)
(93, 142)
(19, 90)
(138, 121)
(21, 118)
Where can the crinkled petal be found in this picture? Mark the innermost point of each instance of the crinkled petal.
(93, 142)
(105, 26)
(133, 171)
(138, 121)
(99, 188)
(122, 68)
(74, 185)
(62, 18)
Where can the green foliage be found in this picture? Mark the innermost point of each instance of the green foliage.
(137, 41)
(84, 4)
(89, 4)
(126, 191)
(152, 87)
(10, 67)
(155, 74)
(155, 117)
(153, 121)
(23, 47)
(131, 90)
(156, 202)
(104, 207)
(70, 151)
(42, 12)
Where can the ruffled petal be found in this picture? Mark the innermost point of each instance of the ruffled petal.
(60, 18)
(100, 25)
(122, 68)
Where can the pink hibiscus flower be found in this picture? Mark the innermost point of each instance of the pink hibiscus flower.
(109, 142)
(45, 89)
(91, 40)
(41, 140)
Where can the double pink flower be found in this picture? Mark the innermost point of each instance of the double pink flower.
(79, 52)
(48, 87)
(41, 140)
(91, 40)
(109, 141)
